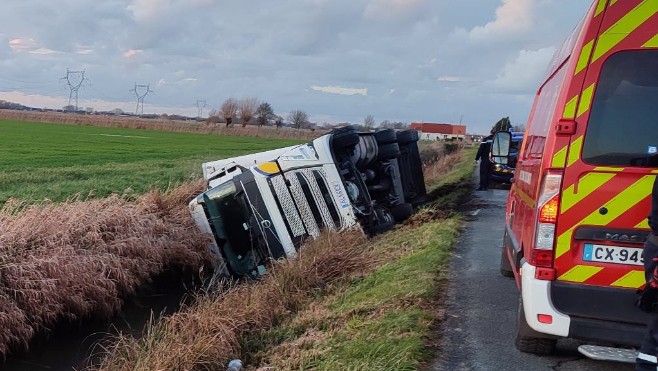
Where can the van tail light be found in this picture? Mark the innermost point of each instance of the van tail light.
(543, 251)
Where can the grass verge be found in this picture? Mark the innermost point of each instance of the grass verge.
(377, 322)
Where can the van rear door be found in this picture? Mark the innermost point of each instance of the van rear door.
(609, 164)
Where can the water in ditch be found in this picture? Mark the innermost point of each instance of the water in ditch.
(73, 345)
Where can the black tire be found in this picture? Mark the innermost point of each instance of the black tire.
(531, 344)
(388, 151)
(385, 222)
(505, 267)
(344, 138)
(407, 136)
(386, 136)
(402, 212)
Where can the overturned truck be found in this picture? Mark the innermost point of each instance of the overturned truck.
(262, 206)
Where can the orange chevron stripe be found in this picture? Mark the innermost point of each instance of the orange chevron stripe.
(617, 206)
(622, 28)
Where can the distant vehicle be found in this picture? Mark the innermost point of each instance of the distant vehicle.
(263, 206)
(502, 168)
(577, 213)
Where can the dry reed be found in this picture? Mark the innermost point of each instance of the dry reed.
(208, 334)
(439, 167)
(79, 259)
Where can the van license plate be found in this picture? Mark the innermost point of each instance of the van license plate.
(612, 254)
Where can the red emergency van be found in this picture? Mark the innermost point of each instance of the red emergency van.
(577, 212)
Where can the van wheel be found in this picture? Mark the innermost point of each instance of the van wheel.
(527, 343)
(505, 267)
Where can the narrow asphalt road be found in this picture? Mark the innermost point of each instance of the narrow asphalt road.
(479, 330)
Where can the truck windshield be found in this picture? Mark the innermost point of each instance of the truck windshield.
(228, 215)
(623, 124)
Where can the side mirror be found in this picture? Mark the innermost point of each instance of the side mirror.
(500, 147)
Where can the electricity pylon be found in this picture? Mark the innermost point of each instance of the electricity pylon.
(200, 105)
(140, 97)
(74, 80)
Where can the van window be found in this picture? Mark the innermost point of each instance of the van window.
(542, 114)
(623, 123)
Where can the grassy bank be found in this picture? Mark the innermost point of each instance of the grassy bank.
(377, 322)
(56, 161)
(383, 320)
(345, 303)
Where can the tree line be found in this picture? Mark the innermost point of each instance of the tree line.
(251, 111)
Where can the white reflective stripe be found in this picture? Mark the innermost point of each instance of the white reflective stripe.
(647, 357)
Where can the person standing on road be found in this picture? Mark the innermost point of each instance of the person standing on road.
(648, 300)
(485, 164)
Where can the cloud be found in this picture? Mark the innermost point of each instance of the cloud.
(131, 53)
(512, 17)
(23, 44)
(525, 73)
(392, 9)
(294, 54)
(148, 10)
(449, 78)
(5, 48)
(340, 90)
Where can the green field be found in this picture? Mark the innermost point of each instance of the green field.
(56, 162)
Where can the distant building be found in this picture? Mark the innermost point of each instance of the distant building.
(439, 131)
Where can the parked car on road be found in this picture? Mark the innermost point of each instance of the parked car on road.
(502, 168)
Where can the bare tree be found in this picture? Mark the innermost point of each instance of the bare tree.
(229, 110)
(518, 127)
(278, 120)
(247, 110)
(298, 118)
(264, 114)
(369, 122)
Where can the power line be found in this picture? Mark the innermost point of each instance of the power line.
(141, 96)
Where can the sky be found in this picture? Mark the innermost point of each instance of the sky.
(469, 61)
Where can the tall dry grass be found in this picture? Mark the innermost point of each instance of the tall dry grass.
(208, 334)
(80, 258)
(437, 161)
(160, 125)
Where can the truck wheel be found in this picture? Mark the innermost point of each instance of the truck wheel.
(388, 151)
(505, 267)
(385, 222)
(386, 136)
(527, 343)
(344, 138)
(407, 136)
(402, 212)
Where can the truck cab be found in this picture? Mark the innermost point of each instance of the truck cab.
(576, 215)
(263, 206)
